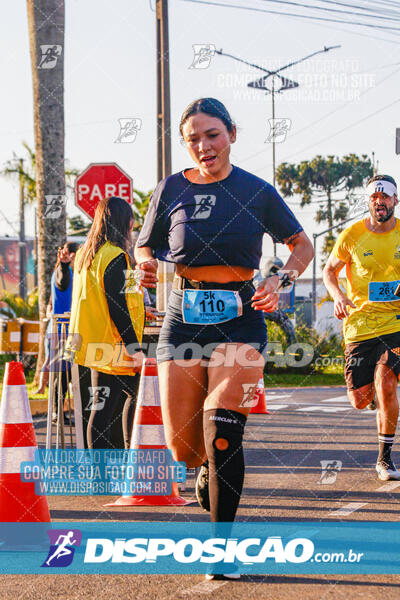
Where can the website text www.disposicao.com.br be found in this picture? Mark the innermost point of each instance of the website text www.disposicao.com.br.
(213, 550)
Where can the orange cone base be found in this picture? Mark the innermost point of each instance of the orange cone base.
(19, 503)
(149, 501)
(173, 499)
(261, 408)
(258, 411)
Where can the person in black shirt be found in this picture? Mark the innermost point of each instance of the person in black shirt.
(210, 220)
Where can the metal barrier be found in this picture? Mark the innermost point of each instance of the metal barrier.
(58, 366)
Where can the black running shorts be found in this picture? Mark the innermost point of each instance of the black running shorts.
(363, 357)
(183, 341)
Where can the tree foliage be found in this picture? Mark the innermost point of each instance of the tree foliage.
(320, 181)
(78, 225)
(16, 307)
(140, 206)
(12, 170)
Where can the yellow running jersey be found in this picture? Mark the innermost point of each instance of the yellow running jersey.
(372, 269)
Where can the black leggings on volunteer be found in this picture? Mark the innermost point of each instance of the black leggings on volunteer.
(112, 407)
(179, 340)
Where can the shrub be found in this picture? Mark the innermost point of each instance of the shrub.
(326, 346)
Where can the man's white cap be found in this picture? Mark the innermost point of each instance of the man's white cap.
(381, 185)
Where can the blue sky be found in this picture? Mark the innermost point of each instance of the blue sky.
(348, 99)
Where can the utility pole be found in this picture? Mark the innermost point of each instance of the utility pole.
(22, 243)
(163, 92)
(165, 270)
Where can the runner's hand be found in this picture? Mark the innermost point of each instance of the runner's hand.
(266, 296)
(341, 302)
(137, 360)
(64, 255)
(148, 273)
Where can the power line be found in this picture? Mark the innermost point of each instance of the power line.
(387, 2)
(295, 15)
(335, 10)
(388, 11)
(329, 137)
(331, 112)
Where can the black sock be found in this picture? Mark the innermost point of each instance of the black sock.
(385, 447)
(226, 466)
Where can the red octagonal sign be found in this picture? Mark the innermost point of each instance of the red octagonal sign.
(98, 181)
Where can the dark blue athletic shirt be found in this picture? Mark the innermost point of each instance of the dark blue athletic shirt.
(219, 223)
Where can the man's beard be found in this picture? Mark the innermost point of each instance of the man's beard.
(384, 217)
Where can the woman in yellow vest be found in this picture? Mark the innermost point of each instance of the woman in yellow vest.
(107, 319)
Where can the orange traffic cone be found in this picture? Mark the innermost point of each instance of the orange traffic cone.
(148, 433)
(261, 407)
(18, 501)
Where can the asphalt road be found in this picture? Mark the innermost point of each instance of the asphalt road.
(284, 482)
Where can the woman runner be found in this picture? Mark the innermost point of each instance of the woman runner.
(210, 220)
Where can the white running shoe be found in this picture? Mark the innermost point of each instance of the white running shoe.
(387, 471)
(202, 494)
(233, 576)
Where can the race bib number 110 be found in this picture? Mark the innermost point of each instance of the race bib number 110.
(209, 307)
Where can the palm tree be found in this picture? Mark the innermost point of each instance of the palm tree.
(27, 172)
(46, 21)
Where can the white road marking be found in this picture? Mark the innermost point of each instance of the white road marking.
(353, 506)
(389, 486)
(277, 396)
(337, 399)
(325, 409)
(347, 509)
(276, 406)
(205, 587)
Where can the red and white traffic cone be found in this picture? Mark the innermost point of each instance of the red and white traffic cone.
(260, 400)
(148, 433)
(18, 500)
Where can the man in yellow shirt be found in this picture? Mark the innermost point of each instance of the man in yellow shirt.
(370, 251)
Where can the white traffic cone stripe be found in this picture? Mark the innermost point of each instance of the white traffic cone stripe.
(148, 435)
(14, 406)
(149, 392)
(11, 458)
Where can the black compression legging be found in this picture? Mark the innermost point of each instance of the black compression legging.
(112, 404)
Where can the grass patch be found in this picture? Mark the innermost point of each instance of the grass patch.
(301, 380)
(332, 375)
(32, 388)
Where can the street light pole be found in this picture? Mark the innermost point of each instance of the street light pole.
(286, 84)
(273, 143)
(314, 282)
(273, 137)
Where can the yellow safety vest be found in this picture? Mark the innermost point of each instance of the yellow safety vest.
(93, 339)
